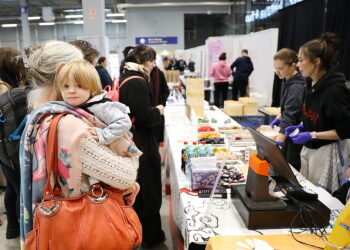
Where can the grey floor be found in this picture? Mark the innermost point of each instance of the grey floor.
(14, 244)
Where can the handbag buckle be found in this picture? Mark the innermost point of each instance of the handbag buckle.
(98, 193)
(49, 210)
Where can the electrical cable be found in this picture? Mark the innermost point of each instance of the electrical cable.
(306, 219)
(258, 232)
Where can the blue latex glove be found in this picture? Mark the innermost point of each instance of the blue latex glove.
(301, 138)
(275, 122)
(279, 143)
(290, 129)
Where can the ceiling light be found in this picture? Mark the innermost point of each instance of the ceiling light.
(33, 17)
(47, 23)
(79, 22)
(115, 14)
(73, 16)
(72, 10)
(9, 25)
(119, 21)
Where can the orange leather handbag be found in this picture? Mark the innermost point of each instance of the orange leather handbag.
(95, 220)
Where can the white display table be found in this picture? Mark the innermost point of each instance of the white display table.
(188, 210)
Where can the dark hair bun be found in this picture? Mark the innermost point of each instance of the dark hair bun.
(222, 56)
(332, 40)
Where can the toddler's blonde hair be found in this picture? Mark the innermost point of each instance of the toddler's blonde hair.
(83, 73)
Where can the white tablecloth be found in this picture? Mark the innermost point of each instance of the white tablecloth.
(190, 212)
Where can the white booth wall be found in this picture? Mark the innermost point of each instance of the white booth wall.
(261, 45)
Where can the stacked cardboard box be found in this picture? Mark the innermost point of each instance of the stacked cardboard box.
(233, 108)
(250, 105)
(244, 106)
(195, 95)
(172, 76)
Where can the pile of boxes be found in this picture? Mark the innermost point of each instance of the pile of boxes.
(244, 106)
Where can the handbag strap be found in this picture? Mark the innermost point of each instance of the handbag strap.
(52, 159)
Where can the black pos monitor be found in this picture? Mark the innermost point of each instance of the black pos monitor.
(269, 150)
(253, 201)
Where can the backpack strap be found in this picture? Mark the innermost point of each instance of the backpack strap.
(88, 105)
(16, 135)
(127, 79)
(133, 119)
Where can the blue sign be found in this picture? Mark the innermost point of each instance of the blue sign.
(156, 40)
(24, 9)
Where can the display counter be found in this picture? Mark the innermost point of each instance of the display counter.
(196, 222)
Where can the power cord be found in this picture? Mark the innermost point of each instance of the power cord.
(307, 220)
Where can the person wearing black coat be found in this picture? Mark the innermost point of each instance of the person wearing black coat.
(103, 73)
(244, 67)
(137, 95)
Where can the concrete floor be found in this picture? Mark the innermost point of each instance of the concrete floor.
(14, 244)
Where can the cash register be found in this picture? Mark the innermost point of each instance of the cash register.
(259, 209)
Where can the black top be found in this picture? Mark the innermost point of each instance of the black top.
(244, 67)
(327, 107)
(136, 94)
(291, 101)
(104, 76)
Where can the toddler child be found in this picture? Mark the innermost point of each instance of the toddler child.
(79, 85)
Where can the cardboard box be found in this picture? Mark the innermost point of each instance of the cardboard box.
(233, 108)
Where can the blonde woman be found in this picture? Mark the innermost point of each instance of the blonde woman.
(292, 93)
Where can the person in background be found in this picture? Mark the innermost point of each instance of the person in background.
(220, 71)
(190, 66)
(122, 63)
(181, 65)
(103, 73)
(244, 67)
(324, 130)
(292, 93)
(12, 75)
(137, 95)
(170, 63)
(90, 54)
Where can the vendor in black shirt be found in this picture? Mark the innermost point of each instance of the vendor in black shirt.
(325, 124)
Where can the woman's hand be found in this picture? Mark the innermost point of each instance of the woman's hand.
(93, 133)
(161, 109)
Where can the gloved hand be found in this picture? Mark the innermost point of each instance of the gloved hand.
(301, 138)
(279, 143)
(290, 129)
(275, 122)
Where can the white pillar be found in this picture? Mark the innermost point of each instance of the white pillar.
(26, 40)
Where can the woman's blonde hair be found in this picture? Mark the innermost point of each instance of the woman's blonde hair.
(83, 73)
(287, 56)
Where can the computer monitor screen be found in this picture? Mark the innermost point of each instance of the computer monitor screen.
(268, 150)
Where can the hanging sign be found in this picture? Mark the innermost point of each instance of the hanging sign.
(156, 40)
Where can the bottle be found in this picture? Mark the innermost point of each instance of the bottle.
(195, 149)
(210, 151)
(202, 152)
